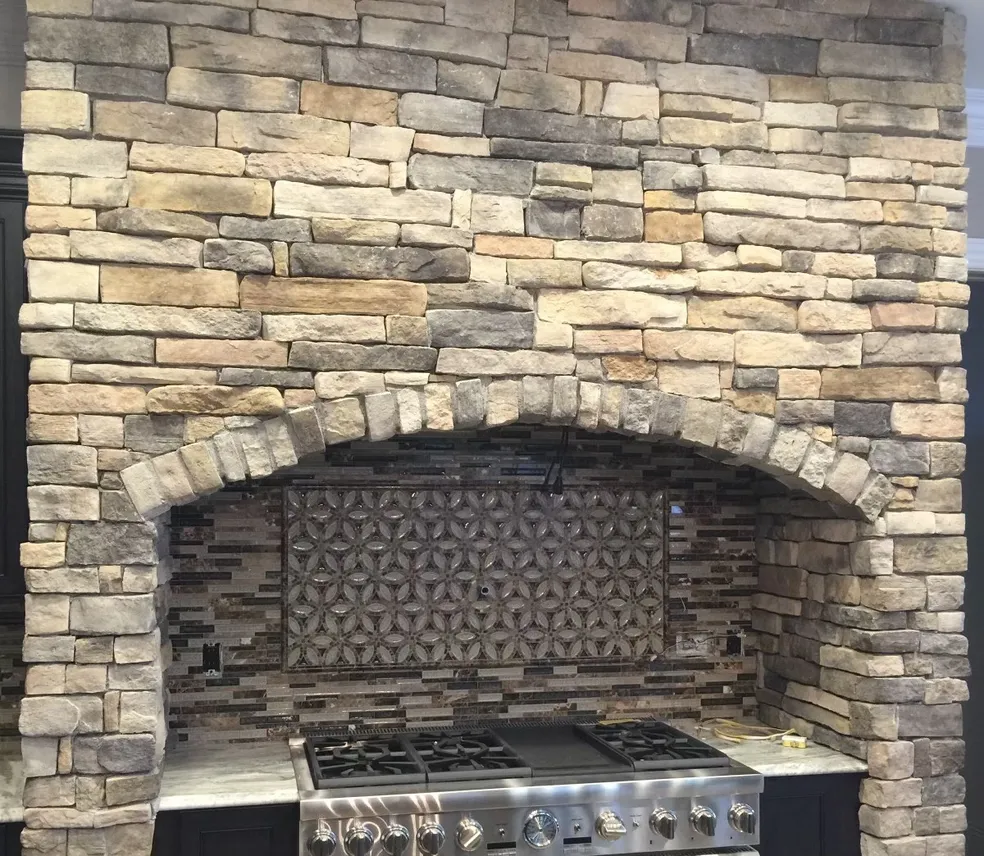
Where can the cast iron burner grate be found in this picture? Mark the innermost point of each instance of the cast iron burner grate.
(462, 755)
(653, 745)
(341, 761)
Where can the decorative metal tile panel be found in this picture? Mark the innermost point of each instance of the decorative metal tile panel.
(389, 576)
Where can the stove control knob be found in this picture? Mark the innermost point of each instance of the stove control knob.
(359, 840)
(431, 837)
(323, 842)
(469, 835)
(742, 818)
(663, 822)
(610, 826)
(540, 829)
(396, 840)
(704, 821)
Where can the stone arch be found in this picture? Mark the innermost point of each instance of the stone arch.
(715, 428)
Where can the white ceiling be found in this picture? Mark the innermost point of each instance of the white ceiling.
(974, 10)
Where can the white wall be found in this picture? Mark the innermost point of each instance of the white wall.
(13, 32)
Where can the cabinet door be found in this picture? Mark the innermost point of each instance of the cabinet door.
(10, 839)
(13, 368)
(264, 831)
(811, 816)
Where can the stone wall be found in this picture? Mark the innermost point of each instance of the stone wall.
(737, 226)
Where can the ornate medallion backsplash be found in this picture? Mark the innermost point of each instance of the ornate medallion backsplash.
(479, 575)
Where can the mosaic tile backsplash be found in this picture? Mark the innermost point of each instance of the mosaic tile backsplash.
(384, 576)
(11, 663)
(232, 579)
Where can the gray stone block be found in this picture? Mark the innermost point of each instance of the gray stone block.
(413, 264)
(329, 356)
(862, 419)
(469, 403)
(770, 54)
(612, 223)
(240, 256)
(112, 544)
(99, 42)
(579, 153)
(455, 43)
(553, 220)
(466, 80)
(440, 114)
(120, 82)
(381, 69)
(551, 127)
(431, 172)
(473, 328)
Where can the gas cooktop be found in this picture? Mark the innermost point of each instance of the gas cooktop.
(558, 788)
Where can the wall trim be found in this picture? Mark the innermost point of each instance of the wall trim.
(975, 118)
(975, 254)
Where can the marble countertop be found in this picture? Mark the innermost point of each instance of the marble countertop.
(11, 782)
(772, 759)
(213, 776)
(238, 774)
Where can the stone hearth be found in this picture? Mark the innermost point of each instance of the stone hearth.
(259, 232)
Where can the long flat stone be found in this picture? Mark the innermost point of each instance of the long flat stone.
(551, 127)
(293, 199)
(579, 153)
(101, 42)
(218, 50)
(413, 264)
(330, 356)
(612, 308)
(477, 362)
(319, 169)
(432, 172)
(436, 40)
(381, 69)
(794, 234)
(770, 54)
(171, 320)
(332, 297)
(282, 132)
(474, 328)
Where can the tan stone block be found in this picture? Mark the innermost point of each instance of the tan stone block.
(98, 158)
(362, 232)
(785, 87)
(321, 296)
(848, 265)
(55, 111)
(100, 192)
(49, 189)
(709, 107)
(669, 200)
(163, 286)
(950, 243)
(62, 281)
(50, 247)
(151, 157)
(368, 203)
(702, 133)
(879, 384)
(670, 227)
(612, 308)
(691, 345)
(52, 429)
(512, 247)
(221, 352)
(883, 192)
(741, 313)
(590, 66)
(794, 350)
(216, 400)
(914, 214)
(928, 421)
(85, 398)
(201, 194)
(544, 273)
(759, 258)
(896, 316)
(607, 341)
(924, 150)
(153, 123)
(49, 370)
(550, 336)
(798, 384)
(439, 144)
(47, 315)
(54, 218)
(695, 380)
(282, 132)
(628, 369)
(833, 316)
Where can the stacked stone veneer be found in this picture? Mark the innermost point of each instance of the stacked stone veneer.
(255, 231)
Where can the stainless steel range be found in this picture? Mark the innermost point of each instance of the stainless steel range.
(546, 789)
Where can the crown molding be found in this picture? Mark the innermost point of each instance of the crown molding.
(975, 118)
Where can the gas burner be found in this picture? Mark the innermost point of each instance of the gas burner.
(653, 745)
(455, 755)
(337, 761)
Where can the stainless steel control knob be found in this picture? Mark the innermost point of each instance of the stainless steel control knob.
(323, 842)
(704, 821)
(359, 840)
(431, 838)
(396, 840)
(742, 818)
(663, 822)
(610, 826)
(540, 829)
(469, 835)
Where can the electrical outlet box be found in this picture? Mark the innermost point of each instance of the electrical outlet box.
(735, 643)
(212, 659)
(695, 645)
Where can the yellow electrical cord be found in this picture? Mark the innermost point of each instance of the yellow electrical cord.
(737, 732)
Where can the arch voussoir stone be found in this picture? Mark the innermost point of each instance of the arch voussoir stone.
(257, 450)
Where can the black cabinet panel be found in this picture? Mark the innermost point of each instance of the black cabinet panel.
(260, 831)
(811, 816)
(10, 839)
(13, 367)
